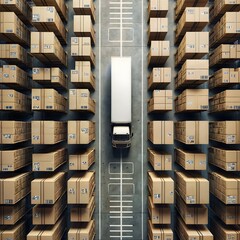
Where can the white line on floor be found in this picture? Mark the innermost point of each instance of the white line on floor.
(121, 190)
(117, 13)
(127, 8)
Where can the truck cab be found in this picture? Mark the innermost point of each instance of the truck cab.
(121, 137)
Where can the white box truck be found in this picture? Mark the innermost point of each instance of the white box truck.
(121, 101)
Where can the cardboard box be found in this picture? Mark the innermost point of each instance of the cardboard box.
(159, 214)
(83, 160)
(48, 132)
(12, 132)
(50, 77)
(48, 190)
(12, 160)
(48, 99)
(83, 213)
(49, 215)
(46, 47)
(192, 100)
(16, 232)
(157, 232)
(13, 30)
(79, 99)
(15, 188)
(158, 53)
(228, 100)
(193, 73)
(82, 75)
(191, 214)
(160, 132)
(83, 27)
(193, 188)
(85, 231)
(159, 78)
(81, 49)
(162, 100)
(227, 132)
(161, 188)
(49, 161)
(158, 28)
(81, 132)
(228, 160)
(192, 232)
(225, 187)
(48, 232)
(160, 161)
(157, 8)
(11, 214)
(81, 188)
(84, 7)
(191, 160)
(192, 132)
(46, 19)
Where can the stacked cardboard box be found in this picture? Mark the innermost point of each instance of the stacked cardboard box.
(16, 232)
(192, 132)
(84, 7)
(14, 132)
(12, 160)
(226, 30)
(48, 214)
(192, 100)
(227, 132)
(50, 77)
(20, 7)
(81, 49)
(191, 160)
(48, 99)
(48, 132)
(82, 75)
(192, 19)
(14, 188)
(15, 54)
(161, 188)
(191, 214)
(80, 188)
(83, 160)
(48, 232)
(83, 27)
(193, 188)
(158, 53)
(13, 30)
(225, 77)
(46, 19)
(157, 8)
(225, 53)
(160, 132)
(161, 101)
(228, 160)
(46, 47)
(85, 231)
(15, 77)
(157, 232)
(160, 161)
(181, 5)
(194, 45)
(81, 132)
(11, 214)
(193, 72)
(225, 187)
(159, 214)
(60, 5)
(225, 101)
(48, 190)
(158, 28)
(11, 100)
(159, 78)
(49, 161)
(83, 213)
(185, 232)
(79, 99)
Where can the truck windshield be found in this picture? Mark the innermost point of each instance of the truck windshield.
(121, 137)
